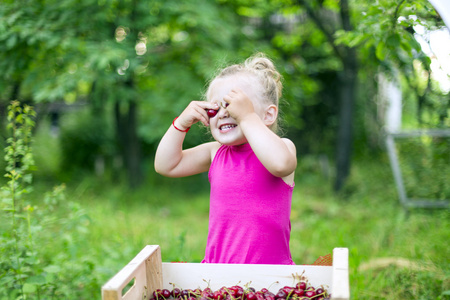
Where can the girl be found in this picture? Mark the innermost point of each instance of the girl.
(251, 169)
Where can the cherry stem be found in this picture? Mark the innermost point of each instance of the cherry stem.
(272, 284)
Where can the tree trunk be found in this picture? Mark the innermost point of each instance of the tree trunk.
(347, 97)
(344, 144)
(129, 145)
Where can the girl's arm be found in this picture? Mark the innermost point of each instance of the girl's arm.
(170, 159)
(277, 154)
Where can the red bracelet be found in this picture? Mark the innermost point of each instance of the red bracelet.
(173, 123)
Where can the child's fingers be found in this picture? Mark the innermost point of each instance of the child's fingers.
(202, 115)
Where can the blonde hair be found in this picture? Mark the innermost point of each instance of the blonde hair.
(263, 70)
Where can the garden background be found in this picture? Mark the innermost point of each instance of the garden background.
(88, 87)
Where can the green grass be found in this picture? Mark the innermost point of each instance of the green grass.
(393, 254)
(88, 235)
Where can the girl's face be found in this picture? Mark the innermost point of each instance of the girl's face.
(223, 127)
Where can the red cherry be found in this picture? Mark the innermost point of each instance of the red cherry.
(301, 285)
(288, 290)
(299, 292)
(281, 294)
(207, 293)
(217, 295)
(185, 293)
(310, 293)
(166, 293)
(251, 296)
(157, 294)
(259, 296)
(211, 113)
(176, 292)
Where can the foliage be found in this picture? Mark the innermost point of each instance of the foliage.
(84, 141)
(83, 233)
(150, 58)
(385, 35)
(425, 164)
(32, 265)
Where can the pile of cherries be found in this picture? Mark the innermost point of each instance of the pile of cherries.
(301, 291)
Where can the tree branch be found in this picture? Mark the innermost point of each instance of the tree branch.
(397, 9)
(320, 24)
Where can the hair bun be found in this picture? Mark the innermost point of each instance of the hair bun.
(261, 63)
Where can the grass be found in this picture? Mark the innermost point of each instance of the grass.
(102, 225)
(393, 254)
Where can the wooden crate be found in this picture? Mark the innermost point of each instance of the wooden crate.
(146, 273)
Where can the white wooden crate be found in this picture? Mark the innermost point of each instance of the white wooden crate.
(147, 273)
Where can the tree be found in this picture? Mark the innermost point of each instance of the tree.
(379, 37)
(112, 53)
(139, 63)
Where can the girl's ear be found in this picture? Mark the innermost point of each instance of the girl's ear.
(270, 115)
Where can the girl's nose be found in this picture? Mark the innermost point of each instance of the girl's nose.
(223, 113)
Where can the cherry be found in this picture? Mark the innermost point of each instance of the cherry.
(157, 294)
(185, 293)
(197, 292)
(288, 290)
(232, 292)
(301, 285)
(166, 293)
(298, 292)
(211, 113)
(310, 293)
(251, 296)
(301, 291)
(207, 293)
(176, 292)
(217, 295)
(240, 293)
(281, 294)
(259, 296)
(269, 294)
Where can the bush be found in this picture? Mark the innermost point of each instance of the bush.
(33, 264)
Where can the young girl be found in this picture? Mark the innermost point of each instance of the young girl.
(251, 169)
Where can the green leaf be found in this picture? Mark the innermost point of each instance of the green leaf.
(29, 288)
(380, 51)
(52, 269)
(37, 279)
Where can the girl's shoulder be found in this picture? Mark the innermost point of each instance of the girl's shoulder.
(212, 147)
(289, 143)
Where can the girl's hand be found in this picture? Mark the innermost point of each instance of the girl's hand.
(238, 104)
(195, 112)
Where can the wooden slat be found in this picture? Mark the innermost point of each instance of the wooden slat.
(341, 286)
(136, 269)
(273, 277)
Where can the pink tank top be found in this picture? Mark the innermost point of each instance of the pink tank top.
(249, 217)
